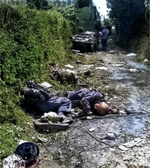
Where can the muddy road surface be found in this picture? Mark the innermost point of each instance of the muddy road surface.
(113, 141)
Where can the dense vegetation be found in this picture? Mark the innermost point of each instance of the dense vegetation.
(131, 19)
(69, 12)
(81, 18)
(29, 41)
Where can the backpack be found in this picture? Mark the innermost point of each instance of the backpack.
(33, 85)
(47, 94)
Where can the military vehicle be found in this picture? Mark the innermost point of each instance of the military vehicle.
(86, 42)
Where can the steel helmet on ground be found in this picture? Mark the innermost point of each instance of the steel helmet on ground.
(29, 152)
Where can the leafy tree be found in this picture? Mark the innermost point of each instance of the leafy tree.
(82, 3)
(98, 25)
(123, 14)
(107, 22)
(39, 4)
(69, 13)
(81, 19)
(85, 18)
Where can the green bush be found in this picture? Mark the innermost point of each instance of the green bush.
(29, 41)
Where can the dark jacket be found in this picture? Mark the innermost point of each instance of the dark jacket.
(85, 98)
(37, 99)
(105, 34)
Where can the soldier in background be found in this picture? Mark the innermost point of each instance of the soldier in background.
(104, 38)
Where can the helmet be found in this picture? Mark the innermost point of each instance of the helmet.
(101, 108)
(29, 152)
(31, 84)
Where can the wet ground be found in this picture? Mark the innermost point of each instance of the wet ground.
(115, 140)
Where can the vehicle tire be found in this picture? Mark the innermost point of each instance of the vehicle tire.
(83, 48)
(95, 47)
(92, 48)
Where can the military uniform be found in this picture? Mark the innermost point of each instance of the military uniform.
(85, 98)
(43, 104)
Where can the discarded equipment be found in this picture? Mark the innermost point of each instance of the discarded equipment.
(25, 156)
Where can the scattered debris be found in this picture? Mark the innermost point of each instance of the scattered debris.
(46, 85)
(69, 66)
(89, 118)
(52, 121)
(87, 73)
(131, 54)
(63, 75)
(69, 71)
(51, 126)
(50, 114)
(118, 65)
(133, 70)
(145, 60)
(112, 52)
(75, 51)
(91, 129)
(101, 68)
(123, 148)
(111, 136)
(78, 62)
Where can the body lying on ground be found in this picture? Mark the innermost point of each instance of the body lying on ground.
(37, 100)
(91, 101)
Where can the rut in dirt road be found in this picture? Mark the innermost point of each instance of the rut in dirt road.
(115, 140)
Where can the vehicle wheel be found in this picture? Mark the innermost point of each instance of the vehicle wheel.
(95, 48)
(92, 48)
(83, 48)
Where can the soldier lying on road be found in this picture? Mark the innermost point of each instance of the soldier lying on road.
(91, 101)
(42, 103)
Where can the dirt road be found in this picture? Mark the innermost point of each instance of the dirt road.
(111, 141)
